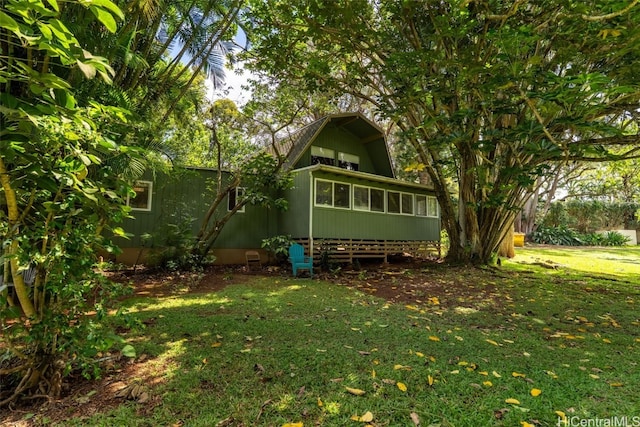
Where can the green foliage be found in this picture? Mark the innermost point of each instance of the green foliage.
(278, 246)
(590, 215)
(613, 238)
(565, 236)
(489, 95)
(171, 246)
(60, 197)
(556, 236)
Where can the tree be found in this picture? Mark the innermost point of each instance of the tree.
(58, 198)
(497, 92)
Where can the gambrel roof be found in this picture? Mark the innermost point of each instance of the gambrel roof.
(356, 124)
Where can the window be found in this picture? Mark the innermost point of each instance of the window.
(421, 205)
(399, 203)
(426, 206)
(142, 199)
(377, 200)
(342, 195)
(348, 161)
(323, 156)
(360, 198)
(235, 196)
(324, 193)
(432, 207)
(407, 204)
(368, 199)
(393, 202)
(333, 194)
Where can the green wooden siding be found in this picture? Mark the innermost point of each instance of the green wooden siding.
(185, 197)
(295, 220)
(338, 223)
(340, 140)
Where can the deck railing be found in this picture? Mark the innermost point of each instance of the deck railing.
(347, 250)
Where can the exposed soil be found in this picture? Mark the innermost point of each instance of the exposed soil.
(404, 281)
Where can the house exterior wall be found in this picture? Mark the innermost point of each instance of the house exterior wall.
(185, 198)
(295, 220)
(331, 222)
(339, 140)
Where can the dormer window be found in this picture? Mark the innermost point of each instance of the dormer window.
(323, 156)
(348, 161)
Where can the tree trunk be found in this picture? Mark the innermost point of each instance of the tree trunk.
(507, 248)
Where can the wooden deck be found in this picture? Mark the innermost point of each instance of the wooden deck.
(348, 250)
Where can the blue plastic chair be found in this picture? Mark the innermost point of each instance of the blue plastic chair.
(298, 260)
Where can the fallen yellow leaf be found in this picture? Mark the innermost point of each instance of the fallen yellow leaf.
(434, 338)
(216, 344)
(492, 342)
(367, 417)
(356, 391)
(561, 414)
(616, 384)
(487, 383)
(535, 392)
(606, 340)
(401, 386)
(401, 367)
(526, 424)
(293, 425)
(320, 402)
(485, 373)
(373, 373)
(518, 374)
(495, 374)
(430, 379)
(419, 354)
(512, 401)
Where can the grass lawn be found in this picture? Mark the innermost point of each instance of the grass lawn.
(517, 346)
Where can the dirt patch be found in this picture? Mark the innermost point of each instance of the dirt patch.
(403, 282)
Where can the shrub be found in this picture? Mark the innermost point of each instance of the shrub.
(278, 247)
(613, 238)
(556, 236)
(568, 237)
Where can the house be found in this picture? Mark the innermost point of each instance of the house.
(345, 202)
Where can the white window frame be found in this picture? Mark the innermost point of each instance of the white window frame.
(436, 214)
(149, 185)
(368, 208)
(353, 196)
(400, 194)
(349, 158)
(384, 200)
(333, 194)
(239, 192)
(413, 204)
(326, 153)
(425, 198)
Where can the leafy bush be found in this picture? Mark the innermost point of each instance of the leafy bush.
(556, 236)
(613, 238)
(568, 237)
(172, 243)
(591, 215)
(278, 246)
